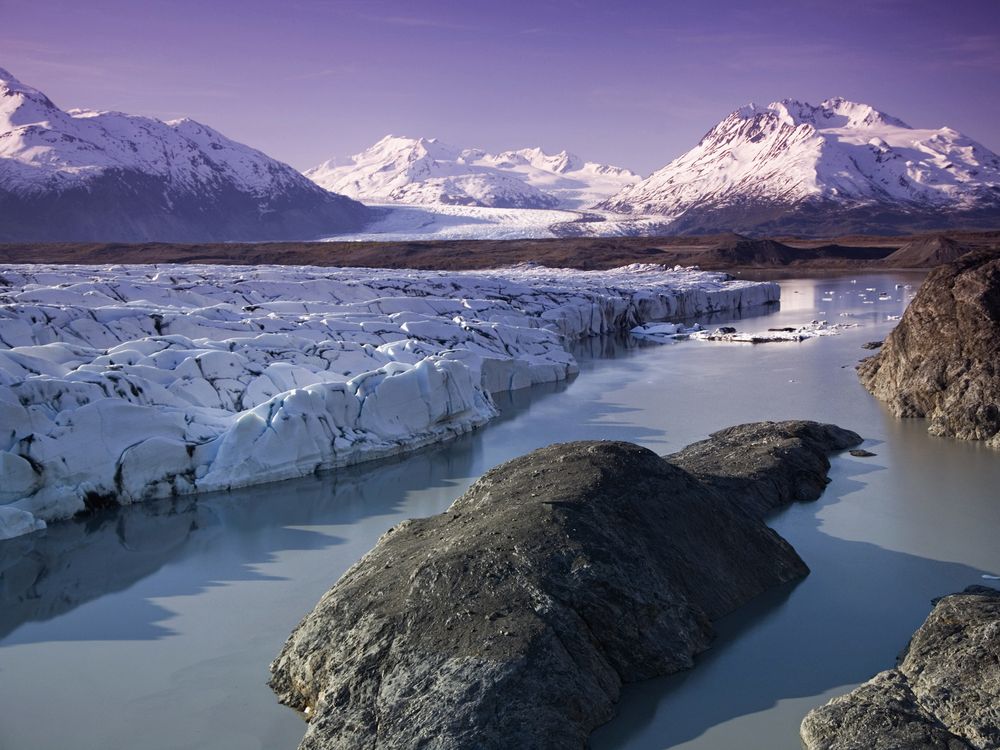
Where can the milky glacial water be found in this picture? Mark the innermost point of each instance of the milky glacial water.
(152, 626)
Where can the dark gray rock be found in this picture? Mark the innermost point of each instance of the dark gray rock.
(737, 250)
(861, 453)
(944, 694)
(872, 345)
(942, 361)
(764, 466)
(513, 618)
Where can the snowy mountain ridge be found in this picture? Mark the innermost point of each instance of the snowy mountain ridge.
(46, 145)
(168, 174)
(840, 153)
(426, 171)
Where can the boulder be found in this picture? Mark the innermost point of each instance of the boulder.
(944, 694)
(942, 361)
(513, 618)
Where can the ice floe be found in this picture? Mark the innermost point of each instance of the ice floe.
(665, 332)
(123, 383)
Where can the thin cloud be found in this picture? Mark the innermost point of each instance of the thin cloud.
(339, 71)
(417, 22)
(977, 51)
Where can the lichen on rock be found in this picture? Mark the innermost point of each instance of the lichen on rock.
(945, 693)
(942, 362)
(513, 618)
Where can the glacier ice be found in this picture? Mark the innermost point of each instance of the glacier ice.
(123, 383)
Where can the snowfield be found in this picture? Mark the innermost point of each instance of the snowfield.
(123, 383)
(401, 223)
(426, 171)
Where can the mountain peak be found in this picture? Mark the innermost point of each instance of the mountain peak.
(841, 154)
(119, 176)
(427, 171)
(836, 112)
(21, 104)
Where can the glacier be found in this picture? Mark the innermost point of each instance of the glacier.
(124, 383)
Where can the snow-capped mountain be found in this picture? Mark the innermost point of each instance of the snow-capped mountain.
(841, 166)
(427, 171)
(85, 175)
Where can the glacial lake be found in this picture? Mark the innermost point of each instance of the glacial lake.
(152, 626)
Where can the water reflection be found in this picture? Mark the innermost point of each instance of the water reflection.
(202, 591)
(50, 573)
(839, 626)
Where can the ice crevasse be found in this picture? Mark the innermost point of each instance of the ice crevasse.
(123, 383)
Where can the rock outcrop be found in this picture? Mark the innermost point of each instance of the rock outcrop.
(513, 618)
(737, 250)
(944, 694)
(942, 361)
(927, 252)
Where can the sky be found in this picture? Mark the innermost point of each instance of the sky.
(633, 83)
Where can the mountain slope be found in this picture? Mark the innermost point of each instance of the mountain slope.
(427, 171)
(737, 250)
(84, 175)
(929, 252)
(840, 166)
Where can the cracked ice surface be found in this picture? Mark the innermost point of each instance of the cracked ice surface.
(123, 383)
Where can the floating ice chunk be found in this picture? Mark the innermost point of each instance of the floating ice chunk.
(658, 329)
(15, 522)
(727, 333)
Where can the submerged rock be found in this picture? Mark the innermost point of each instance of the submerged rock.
(944, 694)
(942, 361)
(513, 618)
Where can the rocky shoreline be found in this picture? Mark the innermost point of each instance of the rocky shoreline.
(513, 618)
(942, 362)
(944, 694)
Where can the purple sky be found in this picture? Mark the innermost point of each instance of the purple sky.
(631, 83)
